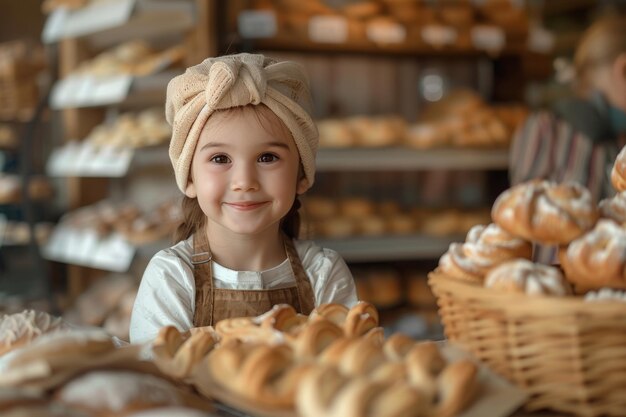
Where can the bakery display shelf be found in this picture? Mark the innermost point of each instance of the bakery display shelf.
(353, 46)
(87, 91)
(81, 159)
(390, 248)
(86, 248)
(398, 158)
(107, 23)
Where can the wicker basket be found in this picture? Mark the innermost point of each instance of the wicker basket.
(569, 355)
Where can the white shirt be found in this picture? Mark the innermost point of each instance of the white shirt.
(167, 292)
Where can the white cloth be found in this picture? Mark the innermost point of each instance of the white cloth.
(167, 291)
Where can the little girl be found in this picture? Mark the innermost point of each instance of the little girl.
(243, 148)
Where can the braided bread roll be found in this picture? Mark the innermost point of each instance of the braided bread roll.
(333, 312)
(597, 259)
(424, 363)
(456, 387)
(315, 338)
(176, 353)
(485, 248)
(545, 212)
(355, 321)
(266, 374)
(526, 277)
(618, 173)
(397, 346)
(353, 356)
(325, 391)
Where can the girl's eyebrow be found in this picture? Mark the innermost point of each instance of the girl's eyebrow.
(278, 144)
(209, 145)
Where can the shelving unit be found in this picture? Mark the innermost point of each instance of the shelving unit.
(99, 26)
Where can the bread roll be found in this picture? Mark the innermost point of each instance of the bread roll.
(545, 212)
(525, 277)
(597, 259)
(120, 393)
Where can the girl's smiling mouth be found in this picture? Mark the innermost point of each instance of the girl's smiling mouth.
(246, 205)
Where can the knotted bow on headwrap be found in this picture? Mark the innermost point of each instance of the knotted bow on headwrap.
(233, 81)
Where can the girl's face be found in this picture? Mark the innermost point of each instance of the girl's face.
(245, 174)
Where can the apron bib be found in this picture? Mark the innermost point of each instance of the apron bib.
(215, 304)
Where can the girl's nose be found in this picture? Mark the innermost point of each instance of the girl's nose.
(244, 178)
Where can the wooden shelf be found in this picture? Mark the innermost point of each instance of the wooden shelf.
(104, 24)
(390, 248)
(398, 158)
(291, 44)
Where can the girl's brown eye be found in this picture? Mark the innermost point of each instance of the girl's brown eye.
(220, 159)
(268, 157)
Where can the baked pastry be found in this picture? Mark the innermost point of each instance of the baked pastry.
(485, 248)
(401, 224)
(17, 330)
(614, 208)
(320, 207)
(525, 277)
(397, 346)
(326, 392)
(597, 259)
(456, 388)
(354, 355)
(545, 212)
(335, 133)
(413, 381)
(272, 326)
(93, 306)
(426, 136)
(169, 412)
(385, 287)
(606, 294)
(355, 321)
(266, 374)
(419, 293)
(618, 173)
(372, 225)
(356, 207)
(362, 9)
(443, 223)
(336, 227)
(176, 353)
(53, 351)
(107, 393)
(117, 322)
(315, 338)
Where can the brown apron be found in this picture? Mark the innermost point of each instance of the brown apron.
(214, 304)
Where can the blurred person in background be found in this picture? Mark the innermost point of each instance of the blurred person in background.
(580, 137)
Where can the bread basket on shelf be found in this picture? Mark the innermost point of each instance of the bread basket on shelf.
(568, 354)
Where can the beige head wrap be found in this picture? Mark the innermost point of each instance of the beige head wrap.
(233, 81)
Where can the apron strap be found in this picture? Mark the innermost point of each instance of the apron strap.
(306, 296)
(203, 278)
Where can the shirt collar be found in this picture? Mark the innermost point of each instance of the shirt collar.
(279, 272)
